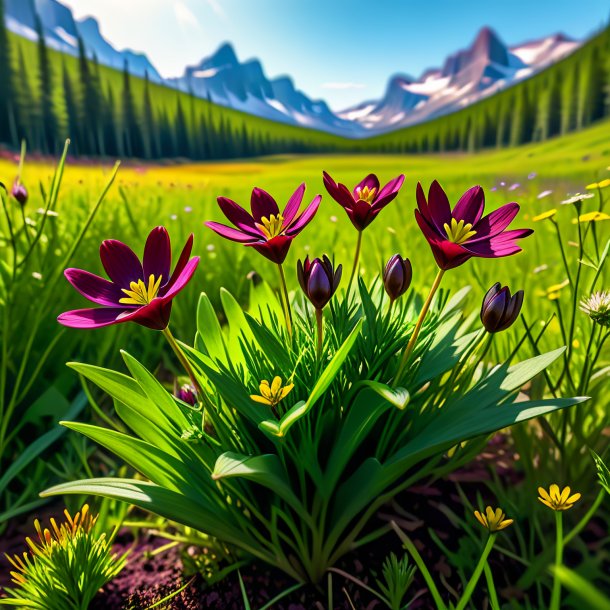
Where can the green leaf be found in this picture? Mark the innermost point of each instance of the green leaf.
(266, 470)
(602, 472)
(326, 378)
(209, 330)
(590, 597)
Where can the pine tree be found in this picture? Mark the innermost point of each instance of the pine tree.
(8, 106)
(27, 118)
(149, 127)
(181, 131)
(47, 106)
(132, 135)
(72, 112)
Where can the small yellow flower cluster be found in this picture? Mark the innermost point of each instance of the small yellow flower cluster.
(602, 184)
(493, 520)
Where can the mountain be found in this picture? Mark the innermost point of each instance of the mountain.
(224, 80)
(468, 75)
(62, 31)
(485, 67)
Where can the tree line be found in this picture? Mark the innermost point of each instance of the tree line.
(569, 95)
(106, 113)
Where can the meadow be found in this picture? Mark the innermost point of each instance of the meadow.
(182, 196)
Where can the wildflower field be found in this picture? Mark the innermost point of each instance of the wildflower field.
(391, 393)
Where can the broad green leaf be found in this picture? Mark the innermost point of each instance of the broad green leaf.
(157, 394)
(266, 302)
(209, 330)
(266, 470)
(397, 397)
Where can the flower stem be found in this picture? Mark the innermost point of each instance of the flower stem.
(472, 583)
(167, 333)
(285, 300)
(356, 261)
(556, 595)
(320, 327)
(420, 321)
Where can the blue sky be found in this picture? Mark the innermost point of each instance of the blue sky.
(340, 50)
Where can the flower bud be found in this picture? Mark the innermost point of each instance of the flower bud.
(500, 309)
(397, 276)
(186, 393)
(318, 280)
(19, 192)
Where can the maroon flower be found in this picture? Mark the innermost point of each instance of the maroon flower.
(19, 192)
(266, 230)
(500, 309)
(138, 292)
(318, 280)
(459, 234)
(366, 200)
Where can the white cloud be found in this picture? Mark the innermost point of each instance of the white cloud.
(218, 10)
(343, 85)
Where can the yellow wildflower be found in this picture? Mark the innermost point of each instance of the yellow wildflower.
(545, 215)
(272, 393)
(556, 499)
(493, 520)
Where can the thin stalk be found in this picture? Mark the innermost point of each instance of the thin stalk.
(320, 333)
(563, 254)
(472, 583)
(285, 299)
(409, 546)
(167, 333)
(356, 261)
(420, 321)
(491, 588)
(556, 595)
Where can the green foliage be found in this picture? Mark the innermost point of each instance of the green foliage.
(65, 567)
(298, 491)
(397, 580)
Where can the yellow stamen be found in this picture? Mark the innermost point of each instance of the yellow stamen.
(366, 194)
(272, 226)
(141, 294)
(459, 232)
(272, 394)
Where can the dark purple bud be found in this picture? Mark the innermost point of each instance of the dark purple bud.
(19, 192)
(500, 309)
(397, 276)
(318, 280)
(187, 394)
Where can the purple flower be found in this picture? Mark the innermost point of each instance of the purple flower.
(397, 276)
(265, 229)
(500, 309)
(462, 233)
(137, 292)
(19, 192)
(186, 393)
(318, 280)
(366, 200)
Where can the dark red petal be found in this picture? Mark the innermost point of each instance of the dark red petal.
(512, 310)
(305, 218)
(181, 264)
(361, 215)
(263, 204)
(293, 205)
(494, 312)
(275, 249)
(339, 192)
(438, 206)
(230, 233)
(237, 215)
(181, 280)
(470, 206)
(155, 315)
(120, 262)
(371, 181)
(495, 222)
(491, 293)
(390, 189)
(93, 287)
(157, 258)
(427, 228)
(91, 318)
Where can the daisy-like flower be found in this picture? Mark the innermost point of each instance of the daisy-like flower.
(597, 307)
(576, 198)
(272, 393)
(545, 215)
(558, 499)
(592, 217)
(493, 520)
